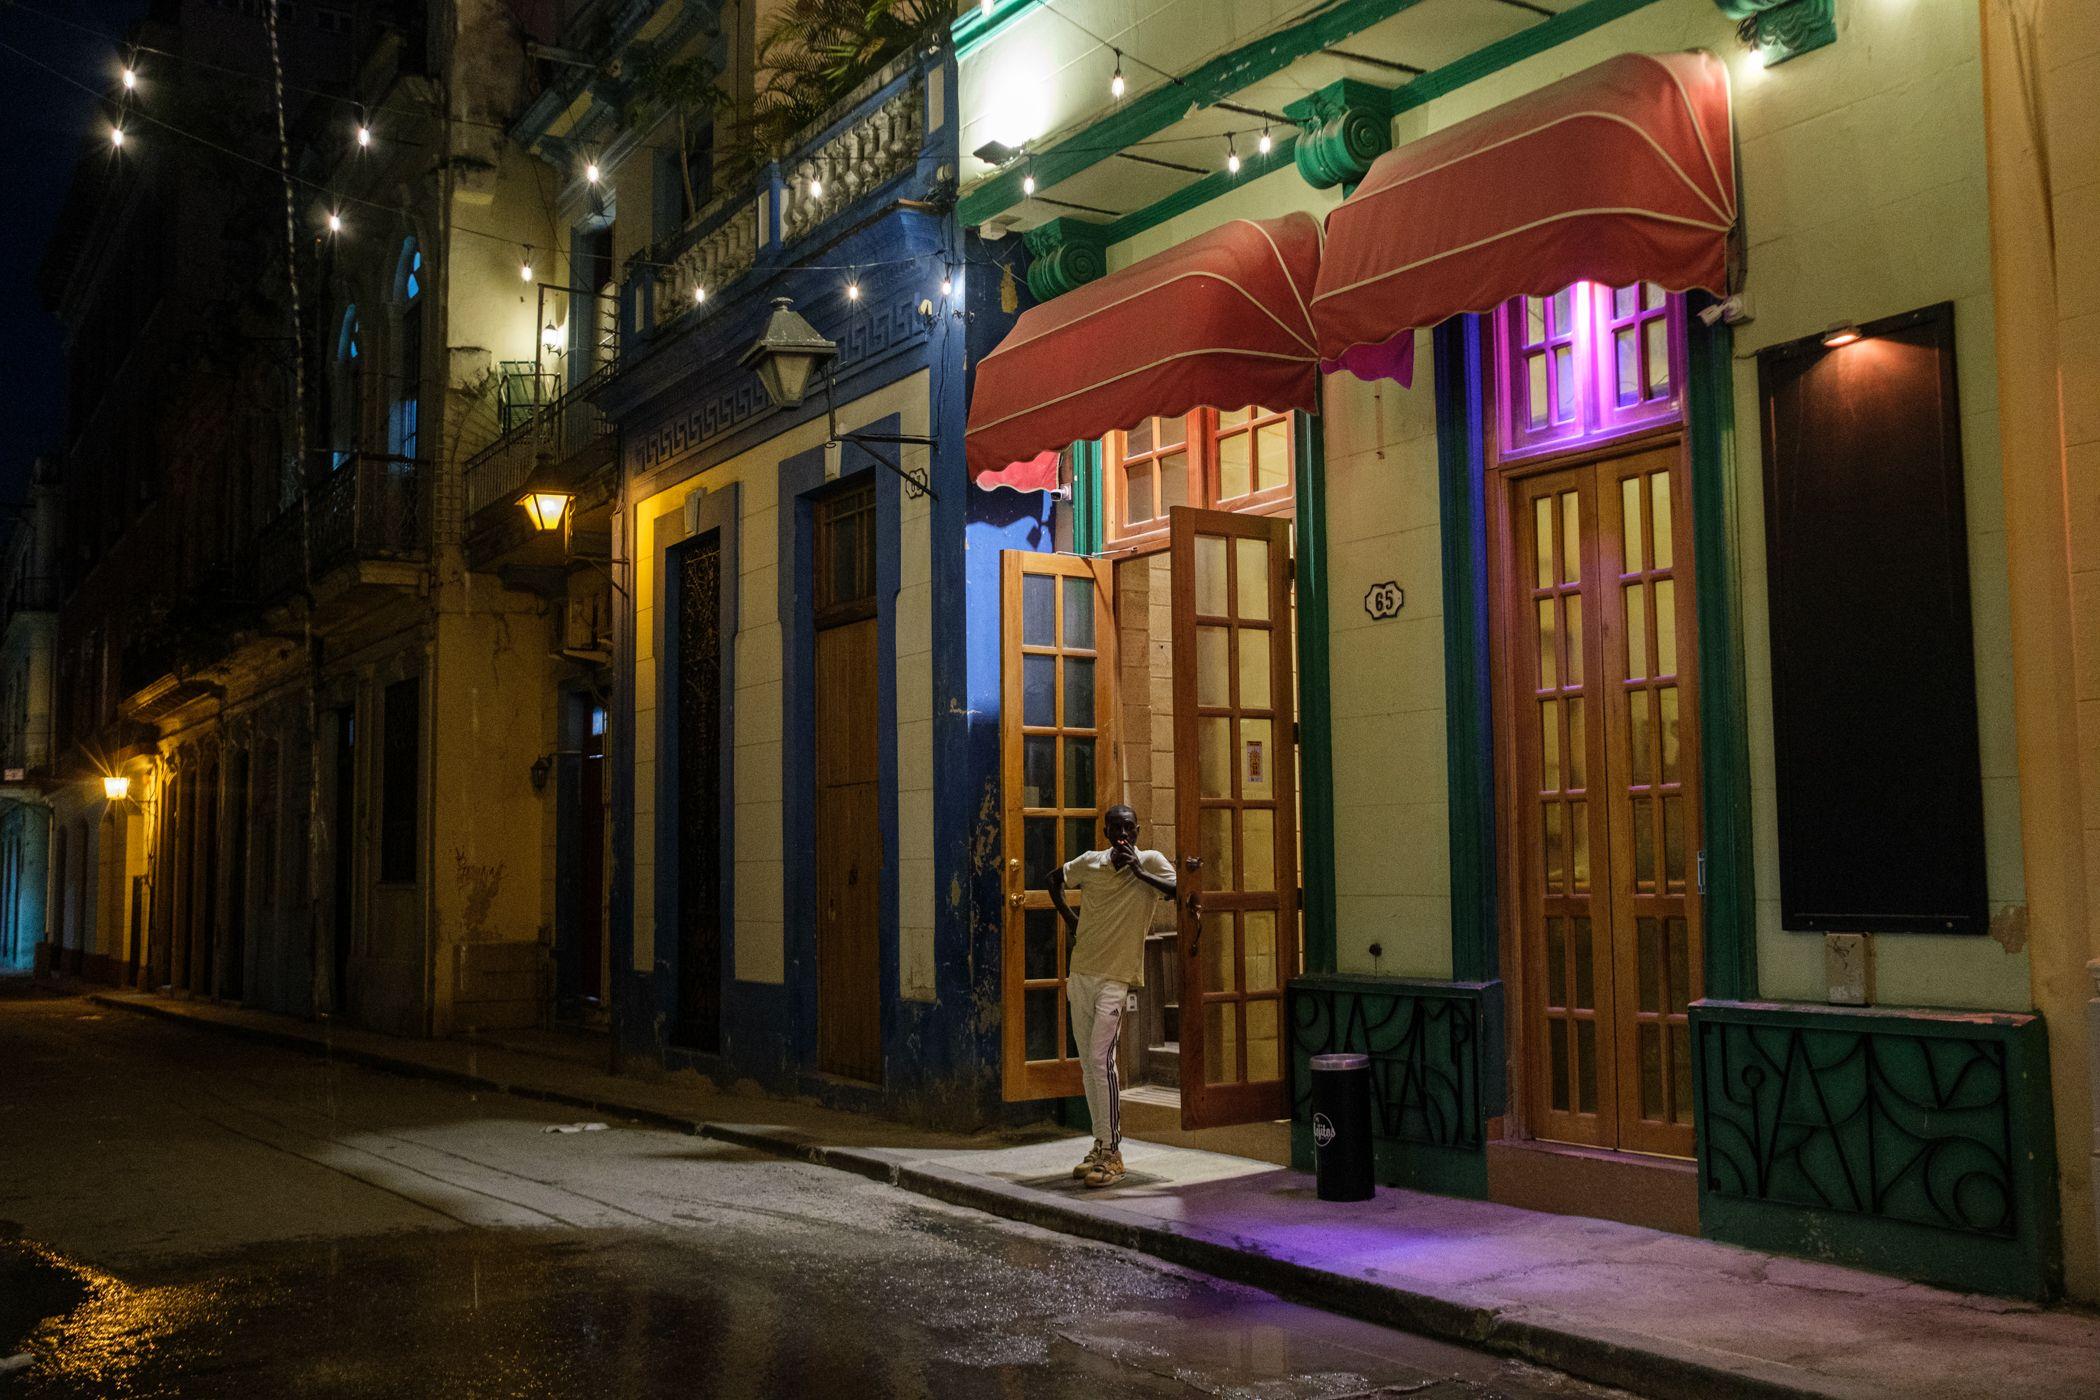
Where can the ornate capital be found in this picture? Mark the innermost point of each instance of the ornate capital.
(1782, 29)
(1065, 253)
(1347, 125)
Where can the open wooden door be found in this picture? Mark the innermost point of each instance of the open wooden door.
(1236, 804)
(1058, 773)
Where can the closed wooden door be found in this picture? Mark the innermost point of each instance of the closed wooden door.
(1058, 773)
(1236, 810)
(1597, 600)
(849, 854)
(700, 922)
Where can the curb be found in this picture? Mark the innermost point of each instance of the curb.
(1606, 1356)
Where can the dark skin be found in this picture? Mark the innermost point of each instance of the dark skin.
(1121, 824)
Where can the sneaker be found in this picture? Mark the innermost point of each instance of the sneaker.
(1108, 1171)
(1093, 1156)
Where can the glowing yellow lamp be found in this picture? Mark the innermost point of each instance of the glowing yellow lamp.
(546, 509)
(116, 787)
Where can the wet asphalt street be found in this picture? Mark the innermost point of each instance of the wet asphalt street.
(183, 1214)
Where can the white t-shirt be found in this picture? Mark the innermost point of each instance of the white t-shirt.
(1115, 915)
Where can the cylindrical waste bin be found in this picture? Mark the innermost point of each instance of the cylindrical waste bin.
(1341, 1126)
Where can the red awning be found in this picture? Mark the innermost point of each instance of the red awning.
(1622, 173)
(1221, 321)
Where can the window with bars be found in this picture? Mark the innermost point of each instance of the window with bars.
(1588, 364)
(1232, 459)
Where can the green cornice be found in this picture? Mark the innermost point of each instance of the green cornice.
(1347, 124)
(1063, 254)
(1202, 191)
(1783, 29)
(1493, 58)
(1160, 108)
(971, 31)
(1154, 111)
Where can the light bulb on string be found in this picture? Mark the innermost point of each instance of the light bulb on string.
(1028, 180)
(591, 172)
(1116, 85)
(853, 291)
(116, 137)
(816, 188)
(335, 222)
(364, 137)
(699, 295)
(1266, 145)
(525, 265)
(1232, 157)
(984, 7)
(131, 78)
(947, 284)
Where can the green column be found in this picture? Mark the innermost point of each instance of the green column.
(1315, 722)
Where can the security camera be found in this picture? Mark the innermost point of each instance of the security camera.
(1734, 311)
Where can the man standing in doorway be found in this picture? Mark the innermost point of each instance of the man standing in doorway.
(1123, 884)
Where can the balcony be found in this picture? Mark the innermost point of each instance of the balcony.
(880, 143)
(374, 507)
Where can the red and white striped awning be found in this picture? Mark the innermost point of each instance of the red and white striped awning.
(1221, 321)
(1622, 173)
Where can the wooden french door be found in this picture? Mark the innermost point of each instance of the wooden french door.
(1058, 773)
(1236, 805)
(1597, 601)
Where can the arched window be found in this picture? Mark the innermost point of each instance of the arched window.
(403, 409)
(346, 398)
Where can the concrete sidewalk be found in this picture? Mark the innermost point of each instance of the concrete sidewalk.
(1656, 1313)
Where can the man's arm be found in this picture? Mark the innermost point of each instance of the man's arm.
(1128, 860)
(1056, 885)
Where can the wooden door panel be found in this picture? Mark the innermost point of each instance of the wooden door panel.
(1236, 805)
(1601, 636)
(1058, 772)
(1654, 796)
(1563, 839)
(849, 853)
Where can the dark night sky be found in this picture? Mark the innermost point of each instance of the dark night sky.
(40, 138)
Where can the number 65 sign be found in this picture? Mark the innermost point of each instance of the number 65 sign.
(1385, 600)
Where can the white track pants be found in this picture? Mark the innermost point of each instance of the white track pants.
(1097, 1027)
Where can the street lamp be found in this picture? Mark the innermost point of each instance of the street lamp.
(787, 353)
(546, 500)
(116, 787)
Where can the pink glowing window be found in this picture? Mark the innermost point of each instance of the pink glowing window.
(1587, 364)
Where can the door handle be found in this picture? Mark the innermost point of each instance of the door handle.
(1192, 863)
(1014, 899)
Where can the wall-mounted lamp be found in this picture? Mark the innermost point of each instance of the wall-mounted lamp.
(550, 338)
(1842, 333)
(116, 787)
(785, 356)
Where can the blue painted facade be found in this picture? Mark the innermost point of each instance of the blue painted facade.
(684, 407)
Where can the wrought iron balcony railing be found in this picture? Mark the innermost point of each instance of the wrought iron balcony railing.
(373, 506)
(561, 428)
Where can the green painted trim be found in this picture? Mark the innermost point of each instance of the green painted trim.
(1315, 712)
(1087, 534)
(1724, 706)
(1347, 125)
(973, 29)
(1493, 58)
(1203, 191)
(1065, 254)
(1881, 1137)
(1155, 111)
(1461, 453)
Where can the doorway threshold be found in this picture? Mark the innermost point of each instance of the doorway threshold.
(1633, 1188)
(1152, 1113)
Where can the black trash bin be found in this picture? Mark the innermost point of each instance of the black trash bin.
(1341, 1126)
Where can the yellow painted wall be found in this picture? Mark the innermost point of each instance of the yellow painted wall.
(1862, 187)
(2042, 74)
(762, 863)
